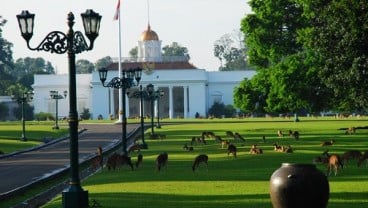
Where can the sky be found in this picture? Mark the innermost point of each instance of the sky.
(194, 24)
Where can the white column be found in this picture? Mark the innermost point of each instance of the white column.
(127, 106)
(185, 89)
(171, 103)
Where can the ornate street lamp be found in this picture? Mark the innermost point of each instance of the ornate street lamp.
(54, 94)
(22, 99)
(150, 90)
(159, 94)
(73, 42)
(125, 82)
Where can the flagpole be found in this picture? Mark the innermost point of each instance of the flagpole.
(120, 73)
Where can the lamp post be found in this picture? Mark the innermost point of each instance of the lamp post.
(22, 99)
(150, 90)
(71, 43)
(124, 82)
(159, 94)
(54, 94)
(144, 144)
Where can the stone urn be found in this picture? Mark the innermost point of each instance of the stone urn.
(299, 186)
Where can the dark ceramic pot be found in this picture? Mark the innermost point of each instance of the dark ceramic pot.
(299, 186)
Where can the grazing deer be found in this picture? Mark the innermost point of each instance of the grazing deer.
(161, 161)
(350, 154)
(350, 130)
(224, 143)
(328, 143)
(186, 147)
(255, 150)
(97, 161)
(231, 149)
(208, 134)
(198, 160)
(230, 134)
(363, 158)
(279, 133)
(134, 147)
(139, 160)
(294, 134)
(116, 160)
(218, 139)
(277, 147)
(333, 161)
(287, 149)
(238, 137)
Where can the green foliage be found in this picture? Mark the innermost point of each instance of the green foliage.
(84, 66)
(28, 112)
(218, 110)
(42, 116)
(175, 49)
(103, 62)
(134, 52)
(85, 115)
(231, 52)
(4, 111)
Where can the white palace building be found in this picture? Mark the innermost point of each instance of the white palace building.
(187, 90)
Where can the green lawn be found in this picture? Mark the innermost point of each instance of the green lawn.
(240, 182)
(11, 132)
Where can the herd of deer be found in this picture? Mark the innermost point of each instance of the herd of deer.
(333, 162)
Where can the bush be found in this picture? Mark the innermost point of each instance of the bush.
(42, 116)
(85, 115)
(218, 110)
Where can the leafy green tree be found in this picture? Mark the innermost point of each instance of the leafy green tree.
(338, 36)
(6, 60)
(103, 62)
(134, 52)
(231, 52)
(4, 111)
(220, 109)
(84, 66)
(175, 49)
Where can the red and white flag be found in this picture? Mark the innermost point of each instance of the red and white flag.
(117, 11)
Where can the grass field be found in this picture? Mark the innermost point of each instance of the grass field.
(240, 182)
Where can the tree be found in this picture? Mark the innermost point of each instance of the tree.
(6, 61)
(174, 49)
(134, 52)
(338, 36)
(231, 52)
(103, 62)
(84, 66)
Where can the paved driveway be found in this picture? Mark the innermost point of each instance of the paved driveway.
(22, 169)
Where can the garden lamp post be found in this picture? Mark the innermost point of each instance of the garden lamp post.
(73, 42)
(159, 94)
(150, 91)
(126, 81)
(144, 144)
(23, 99)
(54, 94)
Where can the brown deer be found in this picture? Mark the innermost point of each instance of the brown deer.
(139, 160)
(198, 160)
(287, 149)
(333, 162)
(161, 161)
(363, 158)
(350, 154)
(188, 148)
(350, 130)
(231, 149)
(116, 160)
(97, 161)
(277, 147)
(294, 134)
(230, 134)
(238, 137)
(279, 133)
(328, 143)
(255, 150)
(224, 143)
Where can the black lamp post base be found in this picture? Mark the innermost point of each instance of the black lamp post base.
(55, 127)
(75, 199)
(23, 139)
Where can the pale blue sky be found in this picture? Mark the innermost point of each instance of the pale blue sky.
(195, 24)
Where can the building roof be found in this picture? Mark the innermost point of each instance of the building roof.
(149, 34)
(152, 65)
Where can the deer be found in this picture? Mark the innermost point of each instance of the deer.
(328, 143)
(230, 134)
(161, 161)
(97, 161)
(279, 133)
(116, 160)
(350, 154)
(188, 148)
(238, 137)
(139, 160)
(277, 147)
(203, 158)
(363, 158)
(294, 134)
(255, 150)
(231, 149)
(333, 161)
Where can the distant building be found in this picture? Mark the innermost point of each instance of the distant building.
(187, 89)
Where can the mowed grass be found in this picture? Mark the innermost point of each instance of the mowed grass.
(229, 182)
(11, 133)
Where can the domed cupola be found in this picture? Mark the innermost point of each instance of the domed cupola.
(149, 46)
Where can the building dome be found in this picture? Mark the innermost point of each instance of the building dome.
(149, 35)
